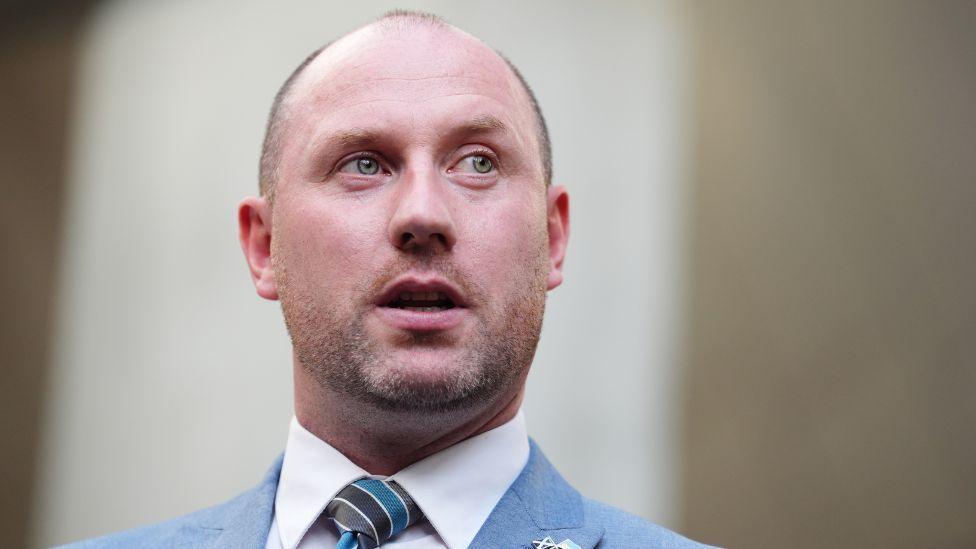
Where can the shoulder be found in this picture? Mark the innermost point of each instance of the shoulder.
(551, 506)
(622, 529)
(185, 531)
(241, 522)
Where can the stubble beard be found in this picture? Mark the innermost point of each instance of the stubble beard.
(337, 352)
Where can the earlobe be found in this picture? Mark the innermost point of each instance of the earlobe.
(254, 220)
(557, 214)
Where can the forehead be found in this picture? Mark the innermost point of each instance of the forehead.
(422, 75)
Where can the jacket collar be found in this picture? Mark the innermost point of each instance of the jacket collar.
(246, 520)
(539, 504)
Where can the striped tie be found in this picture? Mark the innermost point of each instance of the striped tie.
(369, 511)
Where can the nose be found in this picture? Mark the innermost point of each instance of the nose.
(422, 219)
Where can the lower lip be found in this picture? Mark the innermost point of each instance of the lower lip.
(422, 321)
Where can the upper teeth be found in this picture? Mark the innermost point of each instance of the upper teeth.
(422, 296)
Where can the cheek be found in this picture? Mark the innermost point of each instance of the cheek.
(507, 245)
(326, 247)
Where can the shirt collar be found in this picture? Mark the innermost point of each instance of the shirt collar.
(312, 473)
(456, 488)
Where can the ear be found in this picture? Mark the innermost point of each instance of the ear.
(254, 218)
(557, 213)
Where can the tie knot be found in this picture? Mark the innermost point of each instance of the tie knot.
(375, 510)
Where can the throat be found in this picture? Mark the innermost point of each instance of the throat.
(383, 442)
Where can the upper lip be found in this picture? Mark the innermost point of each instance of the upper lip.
(417, 283)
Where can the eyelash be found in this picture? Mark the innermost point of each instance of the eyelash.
(481, 152)
(373, 156)
(359, 156)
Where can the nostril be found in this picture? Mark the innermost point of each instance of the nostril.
(410, 240)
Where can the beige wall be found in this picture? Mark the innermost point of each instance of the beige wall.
(832, 376)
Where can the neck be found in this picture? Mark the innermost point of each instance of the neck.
(383, 442)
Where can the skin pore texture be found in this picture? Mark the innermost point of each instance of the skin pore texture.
(409, 163)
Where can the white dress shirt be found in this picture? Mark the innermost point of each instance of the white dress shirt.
(456, 488)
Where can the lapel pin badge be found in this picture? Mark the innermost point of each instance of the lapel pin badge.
(548, 543)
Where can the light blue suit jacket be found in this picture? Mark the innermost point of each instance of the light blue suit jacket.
(538, 504)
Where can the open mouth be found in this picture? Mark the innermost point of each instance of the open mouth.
(421, 295)
(427, 302)
(422, 303)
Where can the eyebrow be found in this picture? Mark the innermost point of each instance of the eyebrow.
(484, 123)
(366, 137)
(354, 137)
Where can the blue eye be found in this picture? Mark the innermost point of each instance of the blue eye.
(363, 166)
(477, 163)
(481, 164)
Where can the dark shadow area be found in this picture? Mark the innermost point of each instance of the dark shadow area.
(38, 46)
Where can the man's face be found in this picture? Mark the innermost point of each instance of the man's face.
(410, 244)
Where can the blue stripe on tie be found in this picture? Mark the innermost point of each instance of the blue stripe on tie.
(388, 499)
(348, 540)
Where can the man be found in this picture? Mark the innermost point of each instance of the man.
(408, 225)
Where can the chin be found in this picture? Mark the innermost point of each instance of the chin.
(434, 380)
(432, 367)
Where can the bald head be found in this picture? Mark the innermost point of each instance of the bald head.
(282, 115)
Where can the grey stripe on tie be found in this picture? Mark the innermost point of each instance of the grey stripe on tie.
(381, 506)
(370, 522)
(371, 508)
(404, 498)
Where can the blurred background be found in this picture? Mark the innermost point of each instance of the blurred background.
(768, 315)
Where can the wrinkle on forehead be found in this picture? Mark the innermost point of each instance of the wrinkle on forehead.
(400, 64)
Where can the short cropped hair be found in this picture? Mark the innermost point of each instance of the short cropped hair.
(268, 170)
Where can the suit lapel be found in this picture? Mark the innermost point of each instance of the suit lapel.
(246, 520)
(538, 504)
